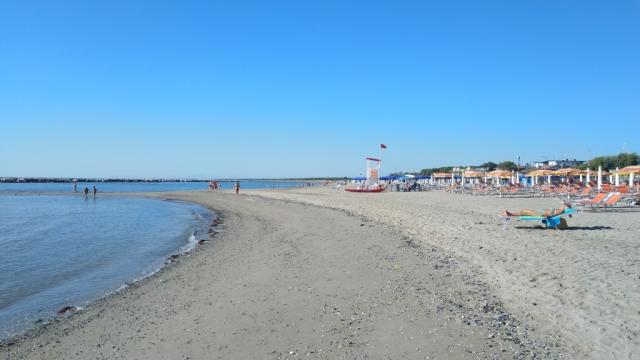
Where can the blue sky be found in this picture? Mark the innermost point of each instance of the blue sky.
(309, 88)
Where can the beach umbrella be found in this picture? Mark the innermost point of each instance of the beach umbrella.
(565, 172)
(628, 170)
(588, 175)
(579, 173)
(541, 172)
(617, 177)
(500, 173)
(599, 177)
(472, 174)
(631, 171)
(452, 178)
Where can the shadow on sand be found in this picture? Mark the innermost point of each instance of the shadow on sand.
(570, 228)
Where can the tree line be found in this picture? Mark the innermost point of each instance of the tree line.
(607, 162)
(612, 161)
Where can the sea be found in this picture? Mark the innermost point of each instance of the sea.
(58, 250)
(141, 186)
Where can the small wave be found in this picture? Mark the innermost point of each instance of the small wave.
(192, 242)
(197, 215)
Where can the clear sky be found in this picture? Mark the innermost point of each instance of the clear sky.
(309, 88)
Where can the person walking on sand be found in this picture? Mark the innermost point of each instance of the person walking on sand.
(236, 187)
(86, 192)
(94, 191)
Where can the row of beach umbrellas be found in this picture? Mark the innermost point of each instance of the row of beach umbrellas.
(535, 174)
(635, 169)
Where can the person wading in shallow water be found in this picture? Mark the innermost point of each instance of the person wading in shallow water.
(94, 191)
(86, 192)
(236, 187)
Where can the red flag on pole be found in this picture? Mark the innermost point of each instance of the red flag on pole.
(383, 146)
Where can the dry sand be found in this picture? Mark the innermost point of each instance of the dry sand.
(408, 275)
(581, 286)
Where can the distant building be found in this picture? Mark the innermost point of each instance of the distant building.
(557, 164)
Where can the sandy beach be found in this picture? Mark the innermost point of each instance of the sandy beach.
(580, 286)
(320, 273)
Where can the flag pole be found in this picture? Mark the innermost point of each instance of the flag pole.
(380, 166)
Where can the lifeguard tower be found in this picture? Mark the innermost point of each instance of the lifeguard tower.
(372, 184)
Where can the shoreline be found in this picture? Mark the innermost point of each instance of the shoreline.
(201, 234)
(500, 328)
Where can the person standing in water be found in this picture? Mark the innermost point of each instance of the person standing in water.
(236, 187)
(94, 191)
(86, 192)
(75, 186)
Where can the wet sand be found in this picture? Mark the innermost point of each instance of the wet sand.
(289, 280)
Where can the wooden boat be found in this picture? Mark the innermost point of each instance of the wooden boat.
(374, 190)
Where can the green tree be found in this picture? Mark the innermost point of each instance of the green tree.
(627, 159)
(613, 161)
(508, 165)
(489, 166)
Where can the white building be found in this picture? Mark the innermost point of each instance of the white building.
(560, 164)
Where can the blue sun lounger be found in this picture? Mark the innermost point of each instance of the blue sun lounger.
(550, 222)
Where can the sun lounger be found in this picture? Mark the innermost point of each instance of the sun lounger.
(617, 200)
(585, 192)
(550, 222)
(600, 197)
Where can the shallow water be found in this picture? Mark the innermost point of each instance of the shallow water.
(138, 186)
(58, 251)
